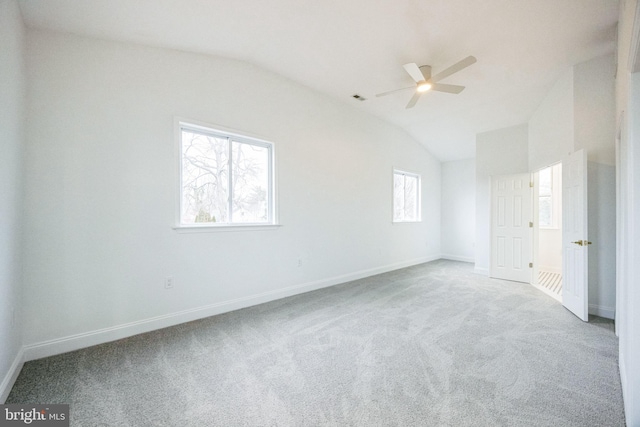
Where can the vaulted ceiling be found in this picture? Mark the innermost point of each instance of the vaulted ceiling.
(344, 47)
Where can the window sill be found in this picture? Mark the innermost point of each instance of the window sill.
(224, 228)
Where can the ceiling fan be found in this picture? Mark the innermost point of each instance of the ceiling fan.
(425, 81)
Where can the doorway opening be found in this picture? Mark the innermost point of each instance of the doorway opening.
(548, 231)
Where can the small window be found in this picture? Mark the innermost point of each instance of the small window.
(406, 197)
(549, 196)
(225, 179)
(545, 197)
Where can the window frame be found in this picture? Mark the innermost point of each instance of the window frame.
(418, 190)
(232, 136)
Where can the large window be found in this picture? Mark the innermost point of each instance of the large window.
(406, 196)
(225, 179)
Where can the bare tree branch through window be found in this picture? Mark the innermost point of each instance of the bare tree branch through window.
(224, 180)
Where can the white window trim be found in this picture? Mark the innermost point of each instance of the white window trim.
(419, 196)
(225, 228)
(182, 123)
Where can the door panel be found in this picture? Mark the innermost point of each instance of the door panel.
(575, 245)
(510, 232)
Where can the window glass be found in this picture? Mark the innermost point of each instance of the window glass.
(224, 180)
(250, 183)
(545, 200)
(205, 178)
(406, 197)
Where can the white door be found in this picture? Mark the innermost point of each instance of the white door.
(575, 244)
(511, 210)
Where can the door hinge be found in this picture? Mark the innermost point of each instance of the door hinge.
(530, 265)
(530, 224)
(531, 184)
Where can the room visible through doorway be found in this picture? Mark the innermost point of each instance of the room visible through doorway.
(548, 205)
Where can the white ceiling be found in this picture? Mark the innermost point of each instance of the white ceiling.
(343, 47)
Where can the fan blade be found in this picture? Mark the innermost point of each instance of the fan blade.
(413, 100)
(458, 66)
(441, 87)
(426, 71)
(394, 91)
(414, 72)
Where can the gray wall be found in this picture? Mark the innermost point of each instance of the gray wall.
(498, 152)
(577, 113)
(12, 95)
(458, 206)
(551, 125)
(601, 181)
(99, 239)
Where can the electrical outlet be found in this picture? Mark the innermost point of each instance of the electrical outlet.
(168, 283)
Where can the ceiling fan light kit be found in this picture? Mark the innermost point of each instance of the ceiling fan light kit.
(423, 87)
(425, 81)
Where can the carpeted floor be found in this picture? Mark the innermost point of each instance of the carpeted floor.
(430, 345)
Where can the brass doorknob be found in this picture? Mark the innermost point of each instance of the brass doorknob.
(579, 242)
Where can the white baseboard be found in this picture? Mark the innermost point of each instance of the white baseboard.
(594, 309)
(623, 375)
(86, 339)
(629, 388)
(12, 375)
(598, 310)
(482, 271)
(628, 405)
(458, 258)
